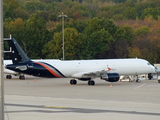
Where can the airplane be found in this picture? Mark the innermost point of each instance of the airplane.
(86, 70)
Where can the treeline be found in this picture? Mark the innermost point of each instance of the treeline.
(94, 29)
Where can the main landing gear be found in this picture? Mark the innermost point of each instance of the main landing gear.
(22, 77)
(91, 82)
(8, 77)
(74, 82)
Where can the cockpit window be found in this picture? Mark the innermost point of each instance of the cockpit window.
(148, 64)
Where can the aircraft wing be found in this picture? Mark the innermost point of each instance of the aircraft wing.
(89, 74)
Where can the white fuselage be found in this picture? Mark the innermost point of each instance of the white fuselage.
(120, 66)
(77, 68)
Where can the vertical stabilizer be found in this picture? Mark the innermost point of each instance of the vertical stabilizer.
(16, 52)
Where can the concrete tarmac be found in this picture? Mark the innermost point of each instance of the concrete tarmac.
(48, 99)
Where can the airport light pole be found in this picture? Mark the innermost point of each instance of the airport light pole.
(62, 15)
(1, 61)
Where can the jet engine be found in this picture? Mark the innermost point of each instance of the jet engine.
(110, 77)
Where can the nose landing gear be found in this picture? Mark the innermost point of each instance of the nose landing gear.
(91, 82)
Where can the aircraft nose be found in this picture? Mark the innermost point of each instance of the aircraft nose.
(156, 69)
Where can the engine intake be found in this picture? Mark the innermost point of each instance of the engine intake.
(110, 77)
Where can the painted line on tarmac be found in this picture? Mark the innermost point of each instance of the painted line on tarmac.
(54, 107)
(140, 86)
(42, 109)
(35, 106)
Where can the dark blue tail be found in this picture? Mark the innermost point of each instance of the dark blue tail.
(16, 52)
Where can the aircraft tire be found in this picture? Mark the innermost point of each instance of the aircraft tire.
(21, 77)
(91, 82)
(138, 80)
(8, 77)
(73, 82)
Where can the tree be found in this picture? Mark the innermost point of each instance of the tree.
(53, 49)
(79, 25)
(125, 32)
(16, 28)
(34, 6)
(37, 35)
(77, 15)
(142, 31)
(9, 7)
(130, 13)
(96, 24)
(96, 45)
(119, 17)
(124, 36)
(134, 52)
(98, 35)
(151, 12)
(20, 13)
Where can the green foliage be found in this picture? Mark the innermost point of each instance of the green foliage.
(34, 6)
(37, 35)
(79, 25)
(9, 7)
(119, 17)
(16, 28)
(151, 12)
(98, 43)
(125, 33)
(141, 6)
(98, 35)
(109, 11)
(130, 13)
(144, 30)
(53, 49)
(96, 24)
(90, 31)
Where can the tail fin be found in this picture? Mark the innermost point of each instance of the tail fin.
(16, 52)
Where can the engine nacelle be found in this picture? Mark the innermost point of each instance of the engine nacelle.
(111, 77)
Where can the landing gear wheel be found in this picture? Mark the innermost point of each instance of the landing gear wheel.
(8, 77)
(150, 76)
(138, 80)
(73, 82)
(21, 77)
(91, 82)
